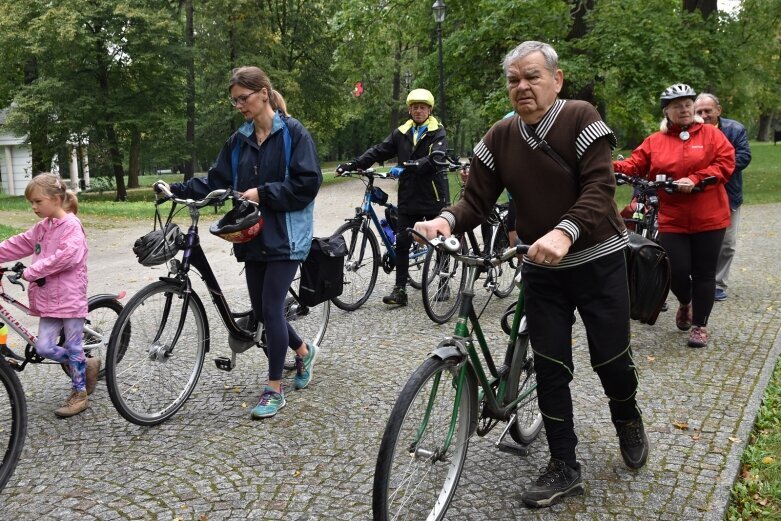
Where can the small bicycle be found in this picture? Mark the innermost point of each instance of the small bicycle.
(362, 262)
(102, 312)
(151, 376)
(425, 442)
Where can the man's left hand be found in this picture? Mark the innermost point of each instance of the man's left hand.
(549, 249)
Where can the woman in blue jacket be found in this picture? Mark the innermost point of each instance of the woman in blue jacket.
(272, 160)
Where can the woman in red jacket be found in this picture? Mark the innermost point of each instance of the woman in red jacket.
(691, 225)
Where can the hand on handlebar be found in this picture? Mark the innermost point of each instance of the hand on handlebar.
(432, 229)
(396, 171)
(345, 167)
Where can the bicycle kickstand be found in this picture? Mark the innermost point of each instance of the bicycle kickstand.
(508, 446)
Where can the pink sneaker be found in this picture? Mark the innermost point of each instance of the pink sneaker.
(698, 337)
(683, 318)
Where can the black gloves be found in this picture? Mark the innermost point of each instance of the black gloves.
(345, 167)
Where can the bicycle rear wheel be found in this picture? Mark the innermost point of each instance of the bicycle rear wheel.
(522, 381)
(13, 421)
(101, 317)
(360, 265)
(149, 379)
(310, 322)
(415, 476)
(443, 281)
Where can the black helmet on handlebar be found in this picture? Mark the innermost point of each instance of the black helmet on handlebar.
(158, 246)
(241, 224)
(679, 90)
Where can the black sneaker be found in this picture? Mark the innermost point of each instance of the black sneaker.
(633, 442)
(557, 481)
(398, 297)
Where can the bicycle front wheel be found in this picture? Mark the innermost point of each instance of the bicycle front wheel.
(13, 421)
(417, 467)
(149, 377)
(503, 275)
(360, 265)
(522, 381)
(443, 281)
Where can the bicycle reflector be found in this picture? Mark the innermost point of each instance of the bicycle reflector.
(241, 224)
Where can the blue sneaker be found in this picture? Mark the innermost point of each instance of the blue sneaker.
(304, 367)
(721, 295)
(269, 404)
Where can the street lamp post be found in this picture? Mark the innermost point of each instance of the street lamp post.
(439, 9)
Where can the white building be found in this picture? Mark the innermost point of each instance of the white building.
(16, 160)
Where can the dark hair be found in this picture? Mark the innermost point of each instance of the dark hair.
(255, 79)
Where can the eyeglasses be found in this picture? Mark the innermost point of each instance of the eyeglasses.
(241, 100)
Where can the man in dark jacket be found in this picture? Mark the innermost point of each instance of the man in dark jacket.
(707, 106)
(423, 191)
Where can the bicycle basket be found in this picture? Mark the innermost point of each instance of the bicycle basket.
(378, 195)
(158, 246)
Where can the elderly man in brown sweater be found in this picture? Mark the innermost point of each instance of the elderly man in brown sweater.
(554, 157)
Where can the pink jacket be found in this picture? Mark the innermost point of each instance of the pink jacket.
(59, 253)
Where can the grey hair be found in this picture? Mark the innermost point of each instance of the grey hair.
(708, 95)
(528, 47)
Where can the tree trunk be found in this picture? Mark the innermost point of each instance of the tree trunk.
(189, 164)
(395, 116)
(765, 131)
(578, 10)
(41, 156)
(706, 7)
(134, 159)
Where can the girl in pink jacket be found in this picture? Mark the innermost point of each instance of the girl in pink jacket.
(58, 282)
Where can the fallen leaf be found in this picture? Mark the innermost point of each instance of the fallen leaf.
(695, 437)
(763, 501)
(733, 439)
(681, 425)
(296, 473)
(243, 405)
(651, 358)
(203, 517)
(768, 460)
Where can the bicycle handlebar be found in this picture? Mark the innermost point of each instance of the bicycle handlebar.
(215, 196)
(16, 276)
(662, 181)
(452, 245)
(368, 173)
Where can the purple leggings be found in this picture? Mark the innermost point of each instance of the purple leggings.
(71, 352)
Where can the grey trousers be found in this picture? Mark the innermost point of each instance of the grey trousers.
(727, 250)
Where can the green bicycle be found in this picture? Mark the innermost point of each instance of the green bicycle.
(425, 442)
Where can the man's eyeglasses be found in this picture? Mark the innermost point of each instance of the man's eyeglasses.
(241, 100)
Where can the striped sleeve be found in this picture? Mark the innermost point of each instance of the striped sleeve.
(590, 134)
(485, 156)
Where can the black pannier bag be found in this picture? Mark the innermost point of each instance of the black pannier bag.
(322, 273)
(392, 216)
(649, 278)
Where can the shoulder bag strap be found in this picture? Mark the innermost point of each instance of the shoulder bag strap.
(552, 153)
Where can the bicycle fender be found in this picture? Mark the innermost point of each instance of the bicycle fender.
(101, 297)
(450, 348)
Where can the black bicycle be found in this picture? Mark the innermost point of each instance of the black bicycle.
(151, 376)
(444, 276)
(13, 421)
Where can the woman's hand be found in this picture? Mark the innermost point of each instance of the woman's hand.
(252, 195)
(684, 185)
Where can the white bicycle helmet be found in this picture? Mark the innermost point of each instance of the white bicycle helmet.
(158, 246)
(679, 90)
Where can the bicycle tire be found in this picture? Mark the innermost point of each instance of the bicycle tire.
(504, 274)
(141, 378)
(13, 421)
(102, 314)
(421, 484)
(360, 271)
(443, 281)
(522, 379)
(417, 257)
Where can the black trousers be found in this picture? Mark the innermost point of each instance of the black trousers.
(599, 291)
(693, 260)
(404, 243)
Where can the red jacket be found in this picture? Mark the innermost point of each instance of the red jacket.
(706, 153)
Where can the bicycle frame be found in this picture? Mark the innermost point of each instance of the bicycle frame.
(462, 345)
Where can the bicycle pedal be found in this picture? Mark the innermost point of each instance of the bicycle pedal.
(513, 448)
(223, 363)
